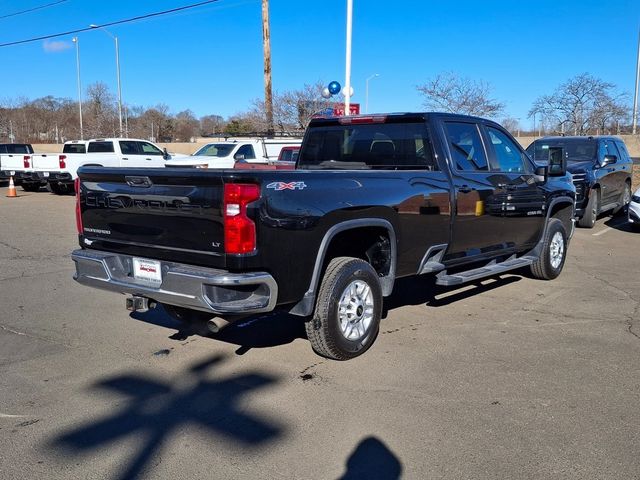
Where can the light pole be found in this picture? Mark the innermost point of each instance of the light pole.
(366, 92)
(635, 96)
(115, 39)
(534, 124)
(77, 42)
(347, 80)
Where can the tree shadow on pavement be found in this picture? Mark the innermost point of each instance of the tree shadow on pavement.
(156, 408)
(422, 290)
(372, 460)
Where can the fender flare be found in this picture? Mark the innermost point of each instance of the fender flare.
(305, 306)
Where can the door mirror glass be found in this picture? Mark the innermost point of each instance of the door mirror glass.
(238, 157)
(165, 154)
(557, 162)
(608, 159)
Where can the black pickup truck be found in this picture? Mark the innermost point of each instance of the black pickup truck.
(601, 168)
(372, 199)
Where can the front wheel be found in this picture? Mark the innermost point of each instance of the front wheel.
(346, 319)
(554, 252)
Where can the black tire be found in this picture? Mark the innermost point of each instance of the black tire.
(547, 266)
(625, 198)
(588, 220)
(31, 187)
(60, 188)
(324, 329)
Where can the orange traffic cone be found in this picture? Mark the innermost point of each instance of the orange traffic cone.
(12, 189)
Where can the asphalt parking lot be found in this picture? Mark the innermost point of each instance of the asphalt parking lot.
(509, 378)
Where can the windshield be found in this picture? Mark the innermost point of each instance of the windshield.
(576, 149)
(216, 150)
(364, 146)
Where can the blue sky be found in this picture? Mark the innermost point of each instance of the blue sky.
(209, 59)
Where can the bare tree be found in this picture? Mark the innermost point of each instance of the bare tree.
(186, 126)
(448, 92)
(293, 109)
(511, 124)
(581, 105)
(100, 113)
(211, 124)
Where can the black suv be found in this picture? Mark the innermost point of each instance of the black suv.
(601, 169)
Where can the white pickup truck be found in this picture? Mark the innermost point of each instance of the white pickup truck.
(227, 154)
(15, 161)
(59, 170)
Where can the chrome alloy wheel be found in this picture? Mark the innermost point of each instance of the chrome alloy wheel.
(556, 250)
(355, 310)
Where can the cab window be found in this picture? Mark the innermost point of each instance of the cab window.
(247, 151)
(149, 149)
(509, 157)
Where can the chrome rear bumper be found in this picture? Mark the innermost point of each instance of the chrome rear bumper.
(199, 288)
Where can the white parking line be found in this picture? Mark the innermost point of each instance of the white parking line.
(608, 229)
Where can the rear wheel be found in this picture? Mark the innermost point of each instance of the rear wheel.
(625, 198)
(348, 310)
(588, 220)
(554, 252)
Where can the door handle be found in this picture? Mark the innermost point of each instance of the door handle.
(465, 189)
(149, 159)
(125, 158)
(506, 186)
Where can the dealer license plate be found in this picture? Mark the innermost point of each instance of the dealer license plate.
(12, 173)
(46, 174)
(147, 270)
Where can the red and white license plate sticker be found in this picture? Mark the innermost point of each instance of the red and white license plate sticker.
(147, 270)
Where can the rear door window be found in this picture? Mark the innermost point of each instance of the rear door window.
(465, 144)
(622, 148)
(100, 147)
(610, 148)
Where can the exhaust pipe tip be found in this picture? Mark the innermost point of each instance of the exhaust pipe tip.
(214, 325)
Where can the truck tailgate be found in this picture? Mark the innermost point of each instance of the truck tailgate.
(174, 214)
(14, 161)
(45, 161)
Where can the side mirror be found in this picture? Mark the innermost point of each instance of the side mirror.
(557, 162)
(238, 157)
(607, 160)
(165, 154)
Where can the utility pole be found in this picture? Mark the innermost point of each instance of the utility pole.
(266, 48)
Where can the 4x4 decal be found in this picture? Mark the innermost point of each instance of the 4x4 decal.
(277, 186)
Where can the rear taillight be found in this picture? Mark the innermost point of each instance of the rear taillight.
(78, 211)
(61, 161)
(26, 161)
(239, 230)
